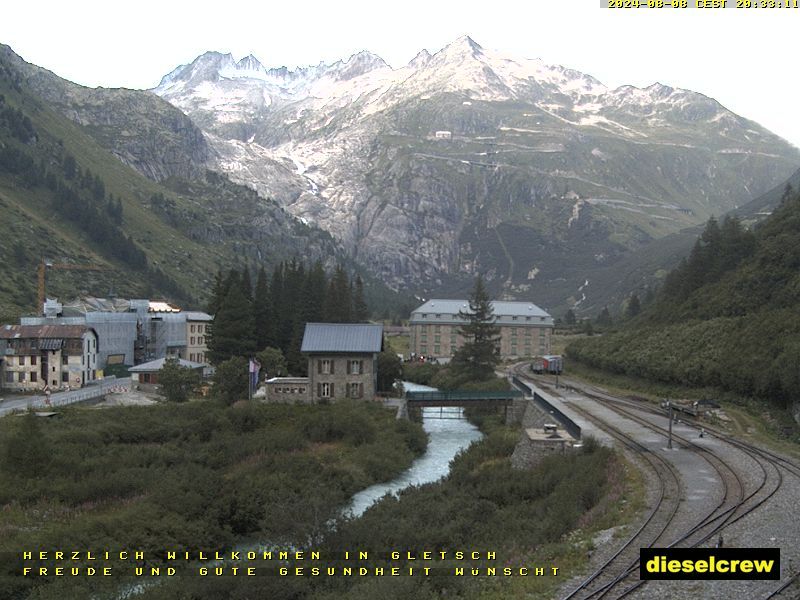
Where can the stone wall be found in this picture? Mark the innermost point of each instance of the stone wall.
(530, 452)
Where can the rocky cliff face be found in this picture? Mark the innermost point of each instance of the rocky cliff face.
(139, 128)
(465, 160)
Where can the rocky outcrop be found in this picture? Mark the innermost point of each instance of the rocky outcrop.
(142, 130)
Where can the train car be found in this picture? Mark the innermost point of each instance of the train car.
(552, 364)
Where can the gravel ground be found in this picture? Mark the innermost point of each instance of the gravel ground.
(129, 398)
(773, 524)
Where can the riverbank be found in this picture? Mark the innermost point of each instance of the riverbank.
(514, 521)
(193, 477)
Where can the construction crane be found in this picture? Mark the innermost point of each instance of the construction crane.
(45, 264)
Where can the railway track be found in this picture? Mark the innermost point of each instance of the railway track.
(617, 577)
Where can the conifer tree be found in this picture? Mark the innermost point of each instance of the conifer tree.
(314, 292)
(604, 318)
(218, 291)
(338, 308)
(262, 312)
(247, 284)
(634, 307)
(360, 309)
(479, 355)
(232, 332)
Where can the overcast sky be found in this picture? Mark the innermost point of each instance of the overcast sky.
(746, 59)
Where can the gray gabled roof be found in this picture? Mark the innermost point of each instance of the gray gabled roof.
(342, 337)
(501, 308)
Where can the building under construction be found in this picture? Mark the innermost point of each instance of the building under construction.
(131, 332)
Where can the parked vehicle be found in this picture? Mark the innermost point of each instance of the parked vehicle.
(552, 364)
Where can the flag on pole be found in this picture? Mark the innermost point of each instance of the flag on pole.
(255, 367)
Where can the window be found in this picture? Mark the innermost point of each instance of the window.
(21, 377)
(514, 318)
(33, 361)
(192, 340)
(9, 377)
(200, 341)
(64, 377)
(527, 318)
(355, 367)
(325, 390)
(355, 390)
(437, 338)
(437, 350)
(541, 318)
(438, 328)
(191, 328)
(21, 361)
(423, 348)
(64, 358)
(325, 366)
(423, 337)
(438, 316)
(33, 377)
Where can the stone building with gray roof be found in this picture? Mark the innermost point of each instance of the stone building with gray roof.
(342, 363)
(525, 329)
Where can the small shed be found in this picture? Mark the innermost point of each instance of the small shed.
(148, 372)
(291, 390)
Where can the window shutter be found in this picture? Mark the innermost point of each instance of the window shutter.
(347, 365)
(319, 366)
(346, 391)
(361, 367)
(332, 394)
(360, 390)
(333, 363)
(319, 390)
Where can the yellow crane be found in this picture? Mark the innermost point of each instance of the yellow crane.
(44, 265)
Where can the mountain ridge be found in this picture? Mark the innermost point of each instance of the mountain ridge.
(529, 143)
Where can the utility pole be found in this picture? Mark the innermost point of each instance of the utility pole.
(669, 441)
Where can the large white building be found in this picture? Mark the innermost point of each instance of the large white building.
(525, 329)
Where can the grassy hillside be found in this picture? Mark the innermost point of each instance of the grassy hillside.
(612, 282)
(727, 317)
(66, 198)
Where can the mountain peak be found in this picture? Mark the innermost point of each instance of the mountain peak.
(420, 60)
(460, 49)
(466, 42)
(360, 63)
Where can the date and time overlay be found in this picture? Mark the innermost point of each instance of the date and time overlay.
(703, 4)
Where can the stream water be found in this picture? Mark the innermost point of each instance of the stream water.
(446, 437)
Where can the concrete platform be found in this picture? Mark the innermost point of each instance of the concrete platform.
(562, 400)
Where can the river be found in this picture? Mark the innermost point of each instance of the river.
(446, 437)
